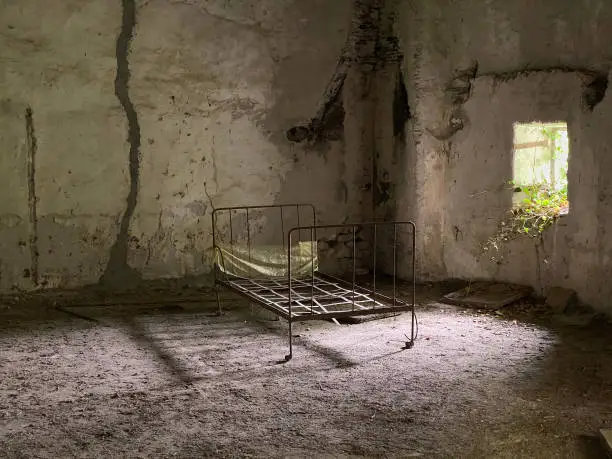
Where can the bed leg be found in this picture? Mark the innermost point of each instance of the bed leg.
(290, 355)
(219, 312)
(409, 344)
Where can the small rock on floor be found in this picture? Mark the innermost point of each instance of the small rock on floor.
(560, 298)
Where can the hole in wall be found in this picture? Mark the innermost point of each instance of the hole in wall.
(401, 109)
(595, 91)
(540, 165)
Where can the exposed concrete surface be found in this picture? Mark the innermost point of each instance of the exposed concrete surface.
(151, 381)
(472, 69)
(62, 65)
(149, 113)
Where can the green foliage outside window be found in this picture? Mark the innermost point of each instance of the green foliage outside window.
(542, 202)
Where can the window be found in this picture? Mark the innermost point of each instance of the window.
(541, 153)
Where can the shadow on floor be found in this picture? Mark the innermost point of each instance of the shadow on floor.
(592, 446)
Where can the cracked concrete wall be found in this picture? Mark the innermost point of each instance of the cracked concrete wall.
(145, 115)
(472, 69)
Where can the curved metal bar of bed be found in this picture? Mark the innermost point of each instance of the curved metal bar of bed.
(318, 296)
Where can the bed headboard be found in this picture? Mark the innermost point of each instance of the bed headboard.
(262, 225)
(245, 228)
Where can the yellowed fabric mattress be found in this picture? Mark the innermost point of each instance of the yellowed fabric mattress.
(267, 261)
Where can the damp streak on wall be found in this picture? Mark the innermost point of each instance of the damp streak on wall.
(32, 147)
(143, 116)
(118, 271)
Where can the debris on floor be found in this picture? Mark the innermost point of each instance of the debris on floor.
(487, 295)
(559, 299)
(366, 318)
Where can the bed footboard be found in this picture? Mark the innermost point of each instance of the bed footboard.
(331, 296)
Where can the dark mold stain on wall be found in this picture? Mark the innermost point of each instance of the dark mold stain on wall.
(401, 109)
(118, 272)
(328, 122)
(594, 90)
(594, 87)
(32, 149)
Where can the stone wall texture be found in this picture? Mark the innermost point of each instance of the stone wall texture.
(472, 69)
(123, 123)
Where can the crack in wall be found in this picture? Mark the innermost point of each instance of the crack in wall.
(213, 158)
(207, 10)
(401, 108)
(384, 186)
(594, 86)
(513, 74)
(458, 91)
(32, 148)
(157, 237)
(210, 199)
(330, 102)
(366, 50)
(456, 94)
(118, 272)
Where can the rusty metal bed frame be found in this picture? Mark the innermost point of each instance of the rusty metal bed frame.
(318, 296)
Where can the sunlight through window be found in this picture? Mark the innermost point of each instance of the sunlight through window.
(541, 154)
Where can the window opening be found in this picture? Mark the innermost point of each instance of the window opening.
(541, 154)
(540, 163)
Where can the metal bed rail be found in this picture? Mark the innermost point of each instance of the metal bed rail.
(300, 209)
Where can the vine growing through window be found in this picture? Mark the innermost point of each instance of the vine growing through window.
(542, 203)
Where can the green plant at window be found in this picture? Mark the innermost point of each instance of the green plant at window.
(541, 207)
(559, 156)
(542, 204)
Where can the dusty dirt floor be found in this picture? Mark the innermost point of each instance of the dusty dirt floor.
(166, 377)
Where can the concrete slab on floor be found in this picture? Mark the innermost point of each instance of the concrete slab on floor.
(487, 295)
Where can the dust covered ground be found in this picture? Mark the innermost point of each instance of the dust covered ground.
(169, 378)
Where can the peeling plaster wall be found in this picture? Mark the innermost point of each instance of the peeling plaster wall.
(473, 68)
(145, 115)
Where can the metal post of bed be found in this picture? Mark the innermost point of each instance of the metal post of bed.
(297, 294)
